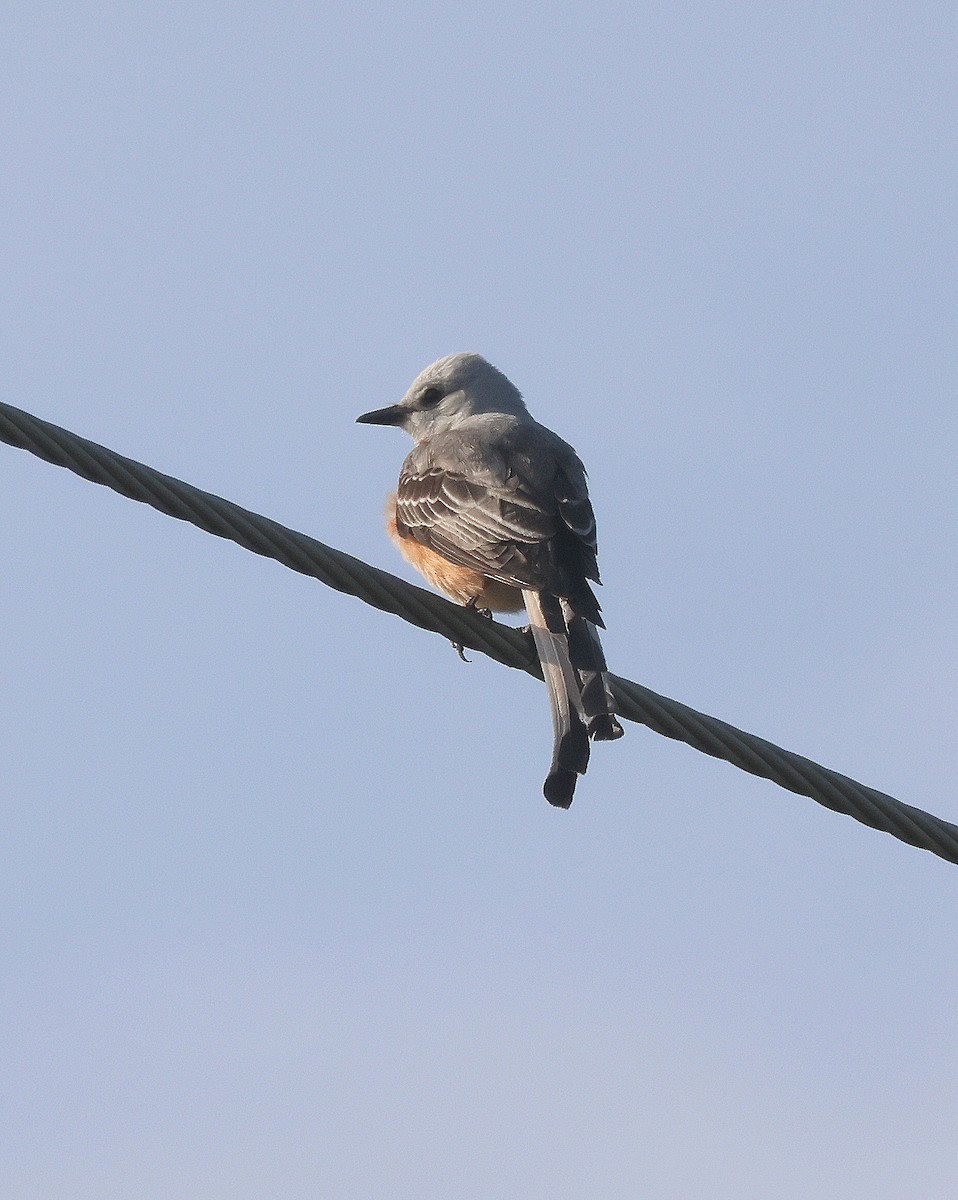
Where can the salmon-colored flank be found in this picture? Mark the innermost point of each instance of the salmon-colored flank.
(462, 584)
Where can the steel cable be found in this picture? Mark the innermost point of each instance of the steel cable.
(506, 645)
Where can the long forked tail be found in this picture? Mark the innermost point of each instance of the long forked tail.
(570, 750)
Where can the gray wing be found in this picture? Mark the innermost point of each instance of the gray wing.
(530, 525)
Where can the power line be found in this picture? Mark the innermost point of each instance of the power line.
(506, 645)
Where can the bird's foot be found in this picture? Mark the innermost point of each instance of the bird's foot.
(526, 631)
(483, 612)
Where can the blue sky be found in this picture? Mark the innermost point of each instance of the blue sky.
(283, 911)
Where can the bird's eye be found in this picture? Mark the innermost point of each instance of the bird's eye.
(430, 398)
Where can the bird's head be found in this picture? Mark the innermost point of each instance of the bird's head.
(445, 393)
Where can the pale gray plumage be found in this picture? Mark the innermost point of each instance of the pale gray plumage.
(489, 488)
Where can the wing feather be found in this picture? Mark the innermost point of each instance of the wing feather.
(514, 506)
(510, 536)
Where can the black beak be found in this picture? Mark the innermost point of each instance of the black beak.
(393, 415)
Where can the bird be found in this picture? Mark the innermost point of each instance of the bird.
(493, 510)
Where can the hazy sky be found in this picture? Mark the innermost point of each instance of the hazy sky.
(283, 911)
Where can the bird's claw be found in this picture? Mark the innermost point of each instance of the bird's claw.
(483, 612)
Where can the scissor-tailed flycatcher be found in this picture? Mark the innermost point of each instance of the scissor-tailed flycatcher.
(493, 510)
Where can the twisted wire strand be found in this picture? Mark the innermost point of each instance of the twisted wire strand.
(506, 645)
